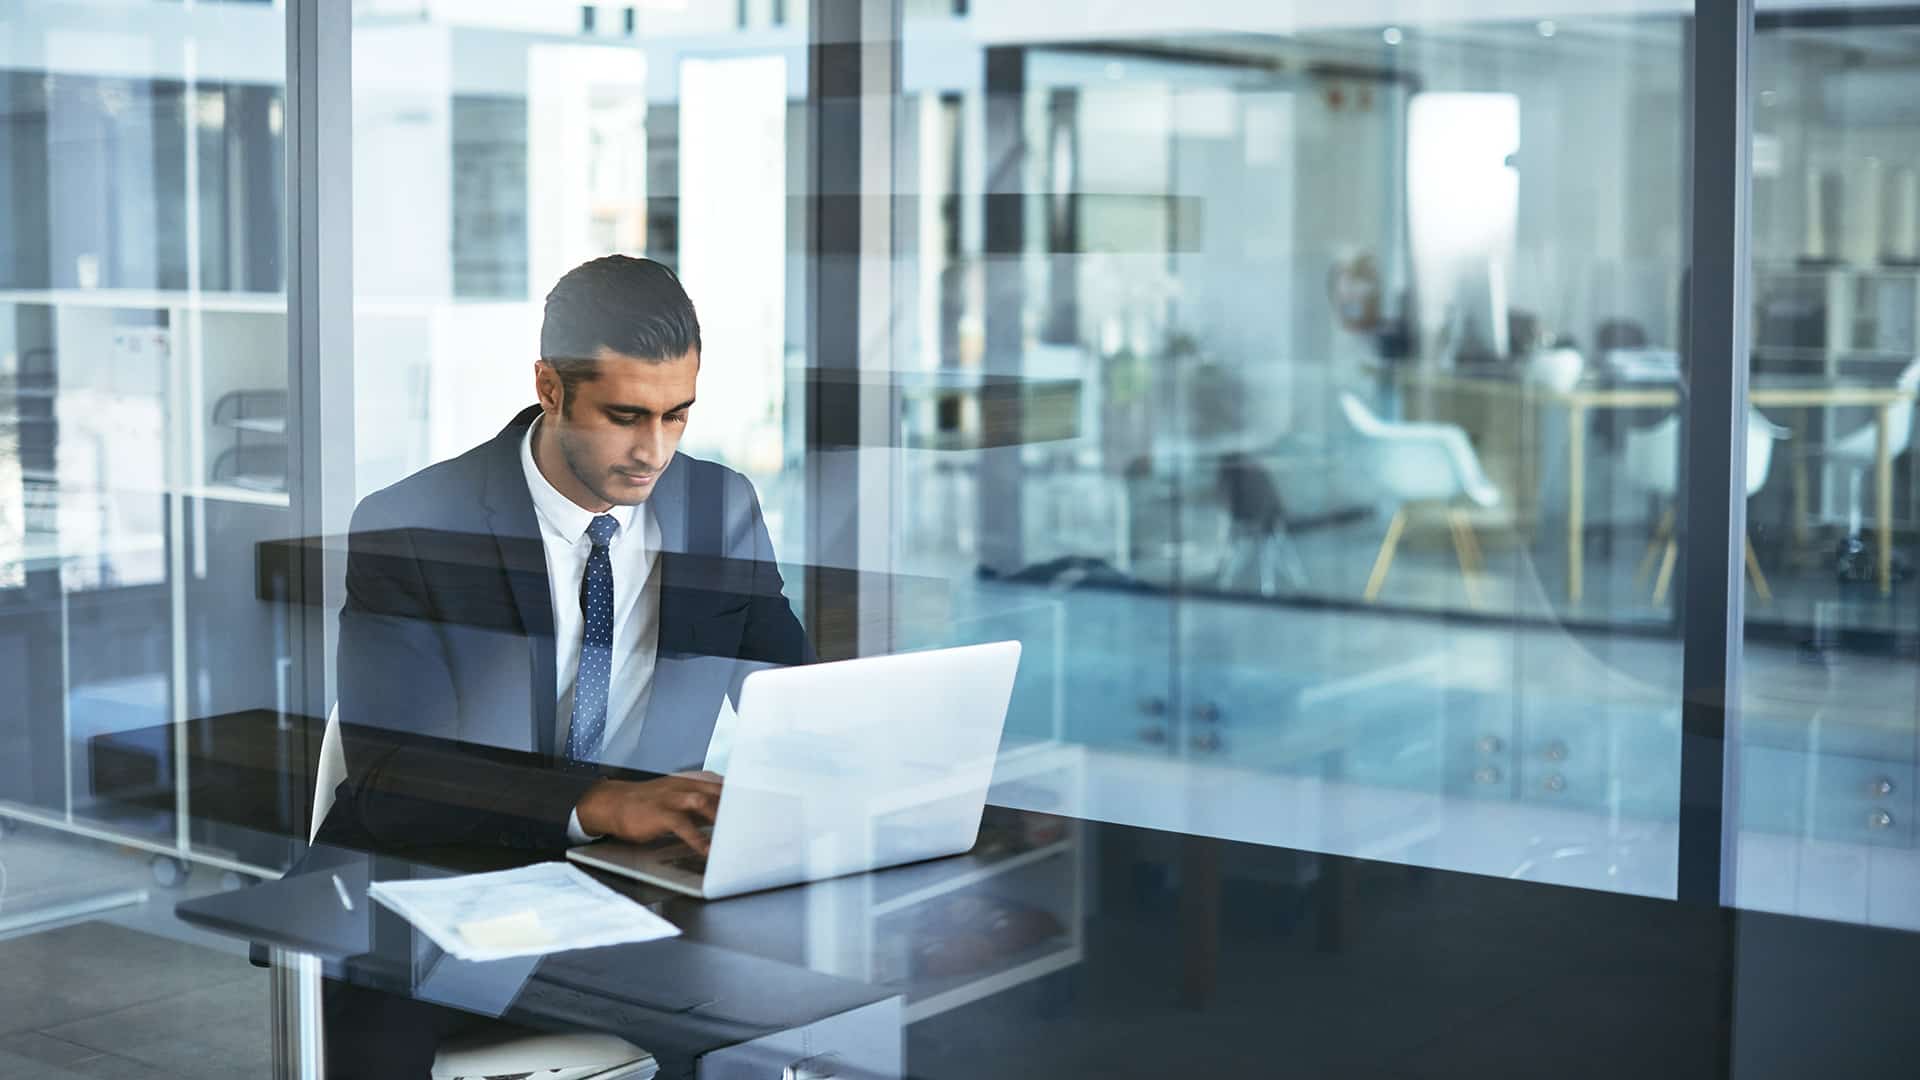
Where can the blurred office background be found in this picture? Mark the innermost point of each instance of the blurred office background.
(1303, 384)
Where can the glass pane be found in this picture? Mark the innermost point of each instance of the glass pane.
(1342, 361)
(143, 403)
(1827, 748)
(548, 135)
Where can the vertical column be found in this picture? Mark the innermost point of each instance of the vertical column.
(1714, 503)
(1001, 529)
(852, 80)
(320, 442)
(320, 446)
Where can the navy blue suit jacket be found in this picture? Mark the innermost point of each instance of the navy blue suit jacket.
(447, 634)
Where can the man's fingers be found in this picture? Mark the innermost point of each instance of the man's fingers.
(684, 828)
(698, 802)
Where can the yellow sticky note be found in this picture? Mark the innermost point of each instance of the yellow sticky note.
(520, 930)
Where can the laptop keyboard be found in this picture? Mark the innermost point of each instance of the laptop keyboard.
(692, 864)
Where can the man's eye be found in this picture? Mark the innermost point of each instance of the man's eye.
(677, 418)
(620, 420)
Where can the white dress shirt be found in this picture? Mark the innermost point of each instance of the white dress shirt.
(636, 609)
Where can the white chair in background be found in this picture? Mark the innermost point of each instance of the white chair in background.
(1653, 464)
(1414, 463)
(500, 1049)
(1858, 450)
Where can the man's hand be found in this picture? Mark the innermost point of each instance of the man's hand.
(639, 812)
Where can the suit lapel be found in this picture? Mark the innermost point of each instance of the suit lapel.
(675, 639)
(516, 533)
(669, 508)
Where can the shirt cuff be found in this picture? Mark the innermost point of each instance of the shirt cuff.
(575, 834)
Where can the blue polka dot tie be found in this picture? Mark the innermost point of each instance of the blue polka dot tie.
(596, 646)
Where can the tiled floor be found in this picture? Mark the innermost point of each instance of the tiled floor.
(128, 994)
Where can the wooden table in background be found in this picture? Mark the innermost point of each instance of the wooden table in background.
(1579, 401)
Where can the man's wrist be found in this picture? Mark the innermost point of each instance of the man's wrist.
(575, 833)
(589, 814)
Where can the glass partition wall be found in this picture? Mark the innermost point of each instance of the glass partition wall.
(1305, 386)
(541, 136)
(143, 356)
(1826, 757)
(144, 410)
(1345, 487)
(1333, 488)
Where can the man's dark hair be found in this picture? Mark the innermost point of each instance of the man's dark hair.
(634, 307)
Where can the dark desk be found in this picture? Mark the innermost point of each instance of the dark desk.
(1191, 957)
(701, 1003)
(752, 986)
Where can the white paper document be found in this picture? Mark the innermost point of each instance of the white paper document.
(544, 908)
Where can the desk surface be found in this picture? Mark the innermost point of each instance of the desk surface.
(1198, 957)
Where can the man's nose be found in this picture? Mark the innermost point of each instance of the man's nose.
(648, 445)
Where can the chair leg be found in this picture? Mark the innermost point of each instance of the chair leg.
(1759, 579)
(1660, 533)
(1856, 513)
(1385, 559)
(1473, 545)
(1263, 565)
(1290, 561)
(1468, 551)
(1230, 567)
(1666, 573)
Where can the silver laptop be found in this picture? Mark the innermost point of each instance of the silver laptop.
(843, 767)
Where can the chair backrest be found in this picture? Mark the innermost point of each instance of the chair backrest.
(1900, 417)
(1558, 369)
(1762, 433)
(1359, 416)
(1417, 461)
(332, 770)
(1653, 454)
(1252, 499)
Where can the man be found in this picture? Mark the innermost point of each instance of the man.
(573, 589)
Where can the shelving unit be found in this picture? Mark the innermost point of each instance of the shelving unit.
(1833, 313)
(257, 460)
(1815, 319)
(133, 379)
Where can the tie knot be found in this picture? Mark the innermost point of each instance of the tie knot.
(601, 529)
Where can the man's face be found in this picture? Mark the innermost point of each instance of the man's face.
(618, 431)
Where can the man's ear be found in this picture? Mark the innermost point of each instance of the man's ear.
(548, 387)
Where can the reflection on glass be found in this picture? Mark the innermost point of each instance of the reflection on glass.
(13, 492)
(1825, 756)
(143, 345)
(143, 375)
(545, 136)
(1362, 328)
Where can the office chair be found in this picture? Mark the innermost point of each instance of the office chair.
(1653, 463)
(498, 1049)
(1256, 527)
(1423, 463)
(1857, 452)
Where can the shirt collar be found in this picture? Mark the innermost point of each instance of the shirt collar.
(557, 512)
